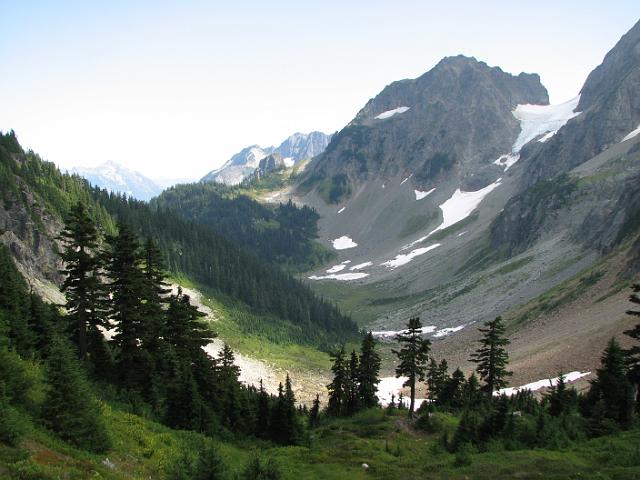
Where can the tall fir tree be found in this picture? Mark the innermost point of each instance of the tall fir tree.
(413, 356)
(369, 374)
(353, 374)
(314, 413)
(338, 387)
(70, 409)
(82, 286)
(492, 357)
(611, 387)
(633, 353)
(126, 290)
(263, 413)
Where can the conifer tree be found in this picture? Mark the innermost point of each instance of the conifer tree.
(452, 392)
(314, 413)
(263, 413)
(633, 353)
(229, 373)
(338, 387)
(353, 374)
(154, 291)
(492, 357)
(186, 333)
(560, 397)
(471, 391)
(82, 286)
(284, 425)
(369, 374)
(126, 289)
(612, 387)
(413, 357)
(70, 409)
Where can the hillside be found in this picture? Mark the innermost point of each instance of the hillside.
(37, 198)
(283, 235)
(462, 195)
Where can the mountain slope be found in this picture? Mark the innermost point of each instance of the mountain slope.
(116, 178)
(37, 197)
(296, 148)
(462, 195)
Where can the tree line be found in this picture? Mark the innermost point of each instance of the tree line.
(288, 309)
(485, 417)
(123, 332)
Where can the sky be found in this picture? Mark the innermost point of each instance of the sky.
(173, 89)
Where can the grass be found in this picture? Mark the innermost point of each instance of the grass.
(383, 440)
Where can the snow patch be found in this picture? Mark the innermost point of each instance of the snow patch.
(343, 243)
(289, 162)
(507, 161)
(391, 387)
(631, 134)
(457, 208)
(461, 234)
(545, 383)
(404, 258)
(390, 334)
(340, 276)
(420, 195)
(391, 113)
(360, 266)
(536, 120)
(337, 268)
(443, 332)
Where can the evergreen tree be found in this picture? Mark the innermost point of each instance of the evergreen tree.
(471, 392)
(452, 392)
(228, 375)
(263, 413)
(413, 357)
(352, 387)
(492, 357)
(127, 292)
(187, 334)
(633, 353)
(560, 398)
(369, 374)
(70, 409)
(338, 387)
(284, 422)
(82, 286)
(612, 387)
(314, 413)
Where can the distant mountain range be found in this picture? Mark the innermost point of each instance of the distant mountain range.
(298, 147)
(116, 178)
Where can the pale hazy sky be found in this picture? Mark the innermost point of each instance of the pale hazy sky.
(173, 89)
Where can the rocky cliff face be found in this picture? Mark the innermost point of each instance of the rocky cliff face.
(29, 231)
(454, 120)
(610, 106)
(590, 168)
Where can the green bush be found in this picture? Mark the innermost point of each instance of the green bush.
(260, 470)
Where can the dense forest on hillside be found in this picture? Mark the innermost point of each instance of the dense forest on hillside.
(189, 248)
(283, 234)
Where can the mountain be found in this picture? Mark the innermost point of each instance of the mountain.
(116, 178)
(37, 198)
(298, 147)
(462, 195)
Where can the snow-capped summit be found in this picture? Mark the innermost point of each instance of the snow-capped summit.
(116, 178)
(298, 147)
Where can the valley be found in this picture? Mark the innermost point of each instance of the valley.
(460, 245)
